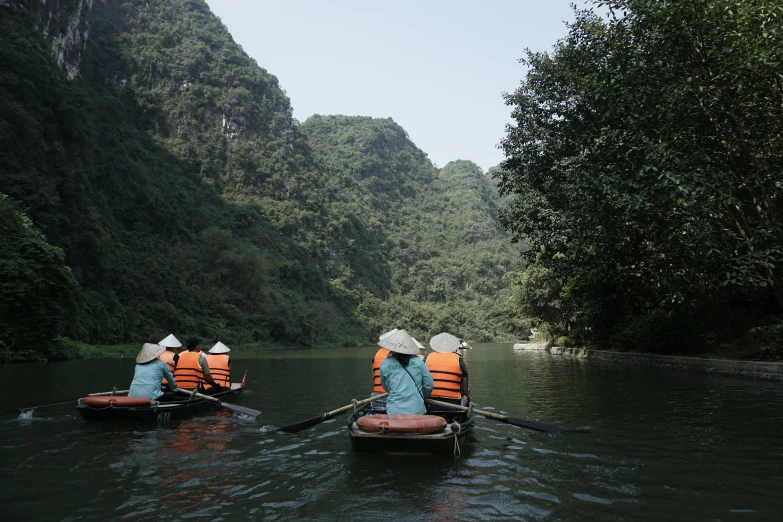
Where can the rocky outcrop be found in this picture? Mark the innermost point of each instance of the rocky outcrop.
(534, 347)
(65, 27)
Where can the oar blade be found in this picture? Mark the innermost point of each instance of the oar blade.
(537, 426)
(299, 426)
(250, 412)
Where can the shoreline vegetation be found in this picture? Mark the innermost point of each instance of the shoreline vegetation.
(725, 352)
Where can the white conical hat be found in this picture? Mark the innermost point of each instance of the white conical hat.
(399, 342)
(149, 352)
(444, 343)
(387, 334)
(418, 344)
(170, 342)
(219, 348)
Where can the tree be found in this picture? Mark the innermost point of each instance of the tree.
(646, 152)
(35, 284)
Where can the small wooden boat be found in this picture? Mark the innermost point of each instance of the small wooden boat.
(409, 433)
(112, 406)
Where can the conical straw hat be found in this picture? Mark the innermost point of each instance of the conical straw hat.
(387, 334)
(149, 352)
(170, 342)
(444, 343)
(399, 342)
(418, 344)
(219, 348)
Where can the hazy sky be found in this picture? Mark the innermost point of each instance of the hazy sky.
(437, 67)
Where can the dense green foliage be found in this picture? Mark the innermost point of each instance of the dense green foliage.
(35, 287)
(172, 180)
(645, 163)
(431, 253)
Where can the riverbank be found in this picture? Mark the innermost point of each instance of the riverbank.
(768, 370)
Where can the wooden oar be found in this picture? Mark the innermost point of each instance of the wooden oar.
(239, 409)
(299, 426)
(502, 418)
(71, 400)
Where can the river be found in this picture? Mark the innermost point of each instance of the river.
(656, 444)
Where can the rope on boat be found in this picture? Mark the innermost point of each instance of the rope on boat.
(355, 406)
(456, 429)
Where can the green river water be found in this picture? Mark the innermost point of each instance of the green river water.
(662, 445)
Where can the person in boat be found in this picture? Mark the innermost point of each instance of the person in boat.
(150, 370)
(404, 376)
(170, 357)
(422, 349)
(380, 356)
(219, 365)
(449, 370)
(192, 372)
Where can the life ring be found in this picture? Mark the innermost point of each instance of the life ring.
(402, 423)
(117, 401)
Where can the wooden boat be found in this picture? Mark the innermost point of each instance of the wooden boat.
(114, 406)
(449, 439)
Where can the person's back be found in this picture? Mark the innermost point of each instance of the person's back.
(220, 367)
(451, 377)
(408, 386)
(148, 374)
(189, 374)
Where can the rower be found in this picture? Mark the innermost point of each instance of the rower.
(148, 374)
(192, 367)
(404, 376)
(219, 366)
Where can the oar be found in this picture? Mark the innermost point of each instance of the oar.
(502, 418)
(239, 409)
(70, 400)
(299, 426)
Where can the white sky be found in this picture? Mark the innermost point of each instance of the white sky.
(437, 67)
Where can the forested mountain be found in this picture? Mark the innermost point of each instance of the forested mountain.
(441, 256)
(154, 180)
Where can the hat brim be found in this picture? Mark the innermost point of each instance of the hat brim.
(149, 352)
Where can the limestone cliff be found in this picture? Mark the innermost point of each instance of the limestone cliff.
(65, 27)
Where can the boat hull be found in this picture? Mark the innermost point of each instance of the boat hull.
(160, 412)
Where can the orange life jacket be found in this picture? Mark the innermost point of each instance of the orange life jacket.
(189, 373)
(168, 358)
(446, 373)
(219, 368)
(382, 354)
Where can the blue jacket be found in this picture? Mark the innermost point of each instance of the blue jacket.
(147, 379)
(406, 391)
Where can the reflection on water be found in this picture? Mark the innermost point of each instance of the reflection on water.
(662, 445)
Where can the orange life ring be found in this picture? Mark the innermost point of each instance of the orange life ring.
(402, 423)
(102, 401)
